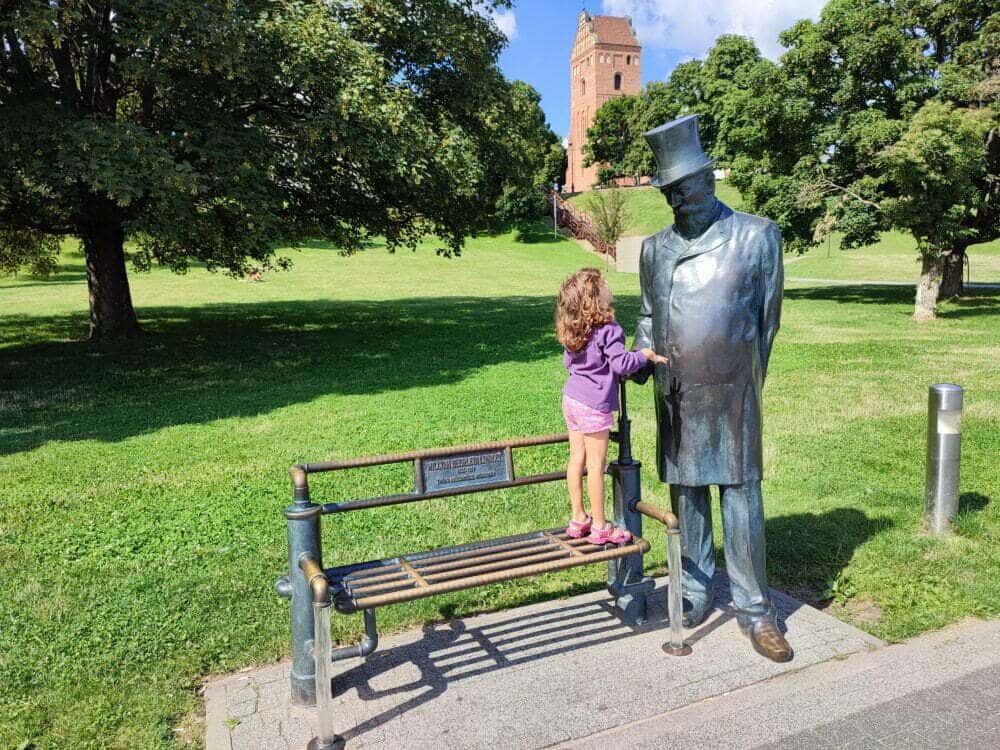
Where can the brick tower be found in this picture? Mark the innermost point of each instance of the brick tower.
(604, 64)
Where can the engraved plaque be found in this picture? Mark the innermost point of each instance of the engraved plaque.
(464, 470)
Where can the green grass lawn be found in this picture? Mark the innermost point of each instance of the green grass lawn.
(893, 258)
(141, 487)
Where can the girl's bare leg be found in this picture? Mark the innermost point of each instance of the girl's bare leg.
(574, 474)
(596, 447)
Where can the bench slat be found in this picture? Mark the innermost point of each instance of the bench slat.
(416, 576)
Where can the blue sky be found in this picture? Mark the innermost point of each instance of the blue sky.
(541, 35)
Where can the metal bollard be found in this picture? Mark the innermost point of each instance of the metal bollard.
(675, 609)
(326, 736)
(944, 450)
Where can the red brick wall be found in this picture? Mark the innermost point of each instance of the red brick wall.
(593, 65)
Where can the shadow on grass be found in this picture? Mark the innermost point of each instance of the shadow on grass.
(68, 273)
(808, 551)
(974, 302)
(535, 233)
(199, 364)
(971, 502)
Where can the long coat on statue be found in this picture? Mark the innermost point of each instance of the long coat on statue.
(712, 307)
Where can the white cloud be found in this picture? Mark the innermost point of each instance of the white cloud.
(694, 27)
(504, 19)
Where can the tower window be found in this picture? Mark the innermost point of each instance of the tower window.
(583, 85)
(628, 59)
(618, 81)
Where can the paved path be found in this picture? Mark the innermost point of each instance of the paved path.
(525, 678)
(866, 282)
(627, 254)
(941, 690)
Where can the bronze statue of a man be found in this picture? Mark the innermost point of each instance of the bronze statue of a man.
(711, 302)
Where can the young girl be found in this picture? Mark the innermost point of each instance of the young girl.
(596, 358)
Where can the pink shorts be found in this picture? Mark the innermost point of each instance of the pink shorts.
(583, 418)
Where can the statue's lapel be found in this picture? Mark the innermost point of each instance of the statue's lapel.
(716, 235)
(671, 246)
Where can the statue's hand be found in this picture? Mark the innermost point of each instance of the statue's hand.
(657, 359)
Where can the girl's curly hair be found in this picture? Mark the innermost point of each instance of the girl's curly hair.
(584, 303)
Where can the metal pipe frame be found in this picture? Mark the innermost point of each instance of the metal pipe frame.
(675, 605)
(368, 643)
(302, 522)
(410, 497)
(627, 580)
(318, 583)
(395, 458)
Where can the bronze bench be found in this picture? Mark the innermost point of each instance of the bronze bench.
(446, 472)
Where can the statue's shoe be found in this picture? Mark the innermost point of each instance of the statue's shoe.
(768, 641)
(696, 611)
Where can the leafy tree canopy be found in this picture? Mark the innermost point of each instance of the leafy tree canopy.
(209, 130)
(529, 154)
(882, 114)
(615, 139)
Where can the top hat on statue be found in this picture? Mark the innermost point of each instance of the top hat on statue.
(677, 151)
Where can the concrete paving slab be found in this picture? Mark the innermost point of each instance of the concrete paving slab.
(932, 692)
(627, 254)
(532, 677)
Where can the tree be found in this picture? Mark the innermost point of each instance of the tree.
(659, 103)
(850, 126)
(939, 173)
(527, 148)
(610, 135)
(554, 166)
(725, 70)
(610, 214)
(208, 130)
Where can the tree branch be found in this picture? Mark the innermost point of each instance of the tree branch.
(63, 65)
(832, 186)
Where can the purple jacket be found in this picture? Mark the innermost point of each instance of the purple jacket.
(594, 371)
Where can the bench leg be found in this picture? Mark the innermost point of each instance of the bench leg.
(626, 577)
(303, 538)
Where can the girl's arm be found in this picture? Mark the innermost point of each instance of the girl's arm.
(621, 361)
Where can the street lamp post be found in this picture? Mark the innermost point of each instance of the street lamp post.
(555, 220)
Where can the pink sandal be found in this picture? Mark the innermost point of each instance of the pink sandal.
(579, 529)
(609, 535)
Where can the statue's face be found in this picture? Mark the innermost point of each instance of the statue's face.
(692, 193)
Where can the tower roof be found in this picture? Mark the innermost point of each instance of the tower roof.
(613, 30)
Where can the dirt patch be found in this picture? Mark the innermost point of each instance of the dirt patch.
(860, 612)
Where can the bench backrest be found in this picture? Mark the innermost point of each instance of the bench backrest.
(457, 470)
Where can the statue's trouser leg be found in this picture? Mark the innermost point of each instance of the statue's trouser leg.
(743, 528)
(692, 506)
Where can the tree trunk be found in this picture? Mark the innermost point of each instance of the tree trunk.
(951, 279)
(111, 313)
(931, 269)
